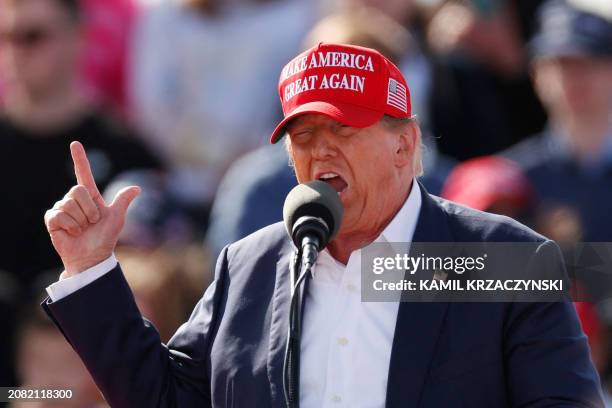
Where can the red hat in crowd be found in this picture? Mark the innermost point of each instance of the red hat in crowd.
(481, 182)
(354, 85)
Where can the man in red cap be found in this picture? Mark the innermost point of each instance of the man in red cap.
(348, 122)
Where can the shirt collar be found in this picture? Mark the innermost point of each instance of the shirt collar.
(402, 226)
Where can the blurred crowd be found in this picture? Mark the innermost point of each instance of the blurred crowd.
(514, 98)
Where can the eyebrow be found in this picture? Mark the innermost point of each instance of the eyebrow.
(295, 122)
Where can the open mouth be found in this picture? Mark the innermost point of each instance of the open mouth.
(334, 180)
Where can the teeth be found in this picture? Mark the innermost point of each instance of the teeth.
(327, 176)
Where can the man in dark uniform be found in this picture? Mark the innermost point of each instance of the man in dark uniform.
(570, 164)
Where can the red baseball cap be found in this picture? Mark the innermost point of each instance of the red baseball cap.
(354, 85)
(481, 182)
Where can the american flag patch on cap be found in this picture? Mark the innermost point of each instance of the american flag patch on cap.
(396, 95)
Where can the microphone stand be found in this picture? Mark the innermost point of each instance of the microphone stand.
(291, 363)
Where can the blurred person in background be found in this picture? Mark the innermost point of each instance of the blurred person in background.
(252, 193)
(202, 80)
(482, 100)
(165, 273)
(107, 27)
(45, 108)
(570, 163)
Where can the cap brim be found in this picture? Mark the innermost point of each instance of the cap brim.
(546, 47)
(345, 113)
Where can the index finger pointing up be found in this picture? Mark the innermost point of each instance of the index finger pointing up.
(82, 170)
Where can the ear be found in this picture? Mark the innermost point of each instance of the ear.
(289, 151)
(541, 72)
(406, 142)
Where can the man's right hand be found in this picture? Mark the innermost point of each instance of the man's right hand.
(83, 228)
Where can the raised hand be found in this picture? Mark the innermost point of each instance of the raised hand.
(83, 228)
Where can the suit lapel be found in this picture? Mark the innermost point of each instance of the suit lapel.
(279, 321)
(418, 323)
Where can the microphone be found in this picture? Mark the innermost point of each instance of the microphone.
(312, 214)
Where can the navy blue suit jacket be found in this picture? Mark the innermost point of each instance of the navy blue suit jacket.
(230, 352)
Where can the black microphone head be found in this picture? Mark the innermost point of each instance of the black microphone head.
(314, 199)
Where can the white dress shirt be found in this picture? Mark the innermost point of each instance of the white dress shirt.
(346, 343)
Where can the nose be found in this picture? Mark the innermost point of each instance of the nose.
(324, 146)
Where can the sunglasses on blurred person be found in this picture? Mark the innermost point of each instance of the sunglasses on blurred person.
(28, 38)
